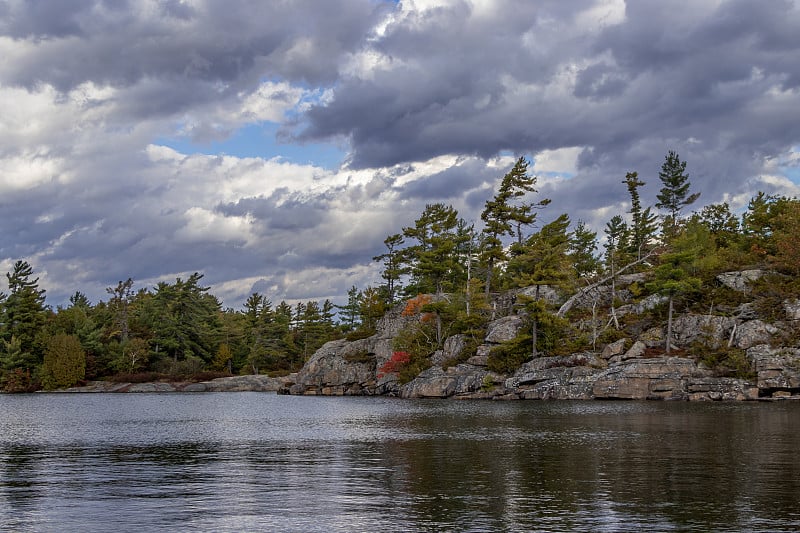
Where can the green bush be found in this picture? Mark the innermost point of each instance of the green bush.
(724, 361)
(64, 362)
(361, 333)
(509, 356)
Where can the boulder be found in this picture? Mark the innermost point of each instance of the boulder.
(343, 368)
(716, 388)
(653, 337)
(504, 329)
(642, 379)
(556, 378)
(739, 281)
(560, 383)
(753, 333)
(459, 380)
(776, 368)
(254, 383)
(615, 348)
(711, 330)
(792, 309)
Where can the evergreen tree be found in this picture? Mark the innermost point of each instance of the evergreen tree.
(720, 222)
(372, 308)
(674, 195)
(119, 304)
(616, 235)
(23, 317)
(514, 187)
(186, 319)
(582, 247)
(350, 312)
(787, 238)
(674, 276)
(544, 261)
(643, 221)
(393, 268)
(434, 259)
(64, 362)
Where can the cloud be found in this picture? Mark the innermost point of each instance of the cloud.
(426, 101)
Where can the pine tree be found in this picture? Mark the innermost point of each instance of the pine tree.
(23, 316)
(582, 247)
(674, 195)
(393, 268)
(643, 221)
(544, 261)
(616, 234)
(434, 259)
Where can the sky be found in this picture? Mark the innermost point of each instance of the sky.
(273, 146)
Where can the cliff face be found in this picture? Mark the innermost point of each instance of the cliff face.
(624, 369)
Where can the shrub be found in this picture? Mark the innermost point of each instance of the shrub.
(361, 333)
(64, 362)
(509, 356)
(19, 380)
(728, 362)
(395, 364)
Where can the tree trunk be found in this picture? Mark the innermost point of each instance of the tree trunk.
(669, 325)
(535, 327)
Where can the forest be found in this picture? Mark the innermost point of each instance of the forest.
(442, 266)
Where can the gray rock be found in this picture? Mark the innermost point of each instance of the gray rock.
(154, 387)
(641, 379)
(792, 309)
(460, 380)
(716, 388)
(776, 368)
(653, 337)
(504, 329)
(711, 330)
(753, 333)
(739, 281)
(252, 383)
(478, 360)
(615, 348)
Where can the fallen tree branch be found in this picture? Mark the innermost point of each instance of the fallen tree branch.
(566, 306)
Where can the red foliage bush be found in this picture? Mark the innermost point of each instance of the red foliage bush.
(395, 363)
(414, 305)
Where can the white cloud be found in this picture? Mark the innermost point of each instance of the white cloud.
(561, 160)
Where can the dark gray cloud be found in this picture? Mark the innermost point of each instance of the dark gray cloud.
(716, 80)
(430, 104)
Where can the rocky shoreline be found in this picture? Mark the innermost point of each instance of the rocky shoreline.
(249, 383)
(624, 369)
(632, 368)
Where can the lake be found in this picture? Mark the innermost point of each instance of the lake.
(262, 462)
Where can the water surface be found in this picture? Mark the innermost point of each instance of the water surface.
(257, 461)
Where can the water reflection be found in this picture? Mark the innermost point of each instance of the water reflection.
(232, 462)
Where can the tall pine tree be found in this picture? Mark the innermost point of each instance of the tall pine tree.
(674, 195)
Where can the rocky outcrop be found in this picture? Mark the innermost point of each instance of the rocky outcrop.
(556, 378)
(627, 368)
(777, 369)
(740, 280)
(251, 383)
(459, 381)
(668, 378)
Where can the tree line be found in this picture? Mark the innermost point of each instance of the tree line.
(441, 265)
